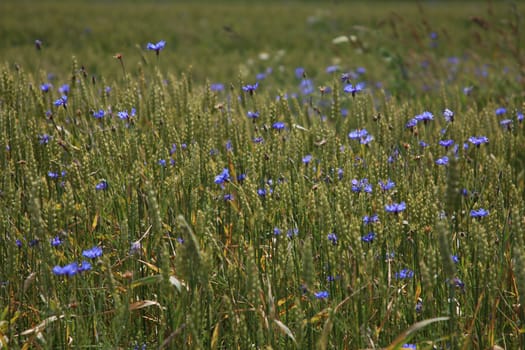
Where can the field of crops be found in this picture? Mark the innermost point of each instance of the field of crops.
(279, 175)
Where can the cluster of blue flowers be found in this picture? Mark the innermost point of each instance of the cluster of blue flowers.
(74, 268)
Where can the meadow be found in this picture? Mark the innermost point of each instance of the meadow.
(277, 175)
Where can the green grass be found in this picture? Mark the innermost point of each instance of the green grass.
(183, 266)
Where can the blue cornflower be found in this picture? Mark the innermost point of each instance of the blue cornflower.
(261, 192)
(455, 259)
(446, 143)
(442, 161)
(507, 123)
(229, 145)
(18, 243)
(278, 125)
(124, 115)
(276, 231)
(366, 140)
(292, 232)
(388, 185)
(228, 197)
(162, 162)
(38, 44)
(251, 88)
(360, 70)
(332, 69)
(395, 207)
(467, 90)
(307, 159)
(64, 89)
(156, 47)
(173, 149)
(423, 144)
(101, 186)
(424, 117)
(107, 90)
(299, 72)
(369, 237)
(69, 270)
(62, 101)
(404, 273)
(258, 139)
(358, 134)
(411, 123)
(519, 116)
(56, 241)
(92, 253)
(321, 294)
(217, 87)
(449, 115)
(84, 266)
(52, 175)
(45, 87)
(354, 89)
(307, 86)
(478, 213)
(478, 140)
(332, 237)
(361, 185)
(252, 115)
(501, 110)
(367, 220)
(99, 114)
(223, 177)
(409, 346)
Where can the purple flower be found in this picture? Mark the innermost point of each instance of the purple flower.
(357, 134)
(56, 241)
(354, 89)
(388, 185)
(478, 140)
(45, 87)
(423, 144)
(395, 207)
(250, 88)
(228, 197)
(92, 253)
(501, 110)
(442, 161)
(223, 177)
(278, 125)
(507, 123)
(467, 90)
(162, 162)
(217, 87)
(520, 117)
(299, 72)
(62, 101)
(361, 185)
(124, 115)
(99, 114)
(446, 143)
(44, 139)
(69, 270)
(156, 47)
(332, 237)
(366, 140)
(411, 123)
(367, 220)
(52, 175)
(307, 159)
(38, 44)
(449, 115)
(102, 186)
(404, 273)
(479, 213)
(424, 117)
(276, 231)
(84, 266)
(332, 69)
(321, 294)
(409, 346)
(252, 115)
(369, 237)
(64, 89)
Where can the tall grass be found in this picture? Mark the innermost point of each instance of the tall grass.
(292, 229)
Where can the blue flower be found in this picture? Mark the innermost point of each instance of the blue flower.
(64, 89)
(446, 143)
(228, 197)
(261, 192)
(354, 89)
(52, 175)
(404, 273)
(44, 139)
(519, 116)
(424, 117)
(366, 140)
(411, 123)
(369, 237)
(449, 115)
(388, 185)
(506, 123)
(361, 185)
(442, 161)
(84, 266)
(99, 114)
(367, 220)
(69, 270)
(223, 177)
(307, 159)
(278, 125)
(321, 294)
(467, 90)
(409, 346)
(217, 87)
(156, 47)
(455, 259)
(45, 87)
(56, 241)
(360, 70)
(92, 253)
(332, 237)
(162, 162)
(276, 231)
(358, 134)
(395, 207)
(332, 69)
(501, 110)
(299, 72)
(250, 88)
(307, 86)
(479, 213)
(252, 115)
(478, 140)
(62, 101)
(101, 186)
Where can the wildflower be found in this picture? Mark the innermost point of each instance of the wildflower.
(62, 101)
(478, 140)
(360, 70)
(354, 89)
(223, 177)
(135, 248)
(84, 266)
(92, 253)
(358, 134)
(501, 110)
(56, 241)
(361, 185)
(38, 44)
(321, 294)
(260, 76)
(229, 146)
(64, 89)
(388, 185)
(455, 259)
(442, 161)
(306, 86)
(278, 125)
(479, 213)
(45, 87)
(156, 47)
(52, 175)
(424, 117)
(395, 207)
(366, 140)
(261, 192)
(258, 139)
(307, 159)
(367, 220)
(228, 197)
(332, 237)
(467, 90)
(217, 87)
(162, 162)
(446, 143)
(519, 117)
(276, 231)
(419, 305)
(241, 178)
(404, 273)
(292, 232)
(251, 88)
(124, 115)
(33, 242)
(458, 283)
(369, 237)
(411, 123)
(299, 72)
(99, 114)
(332, 69)
(409, 346)
(107, 90)
(101, 186)
(449, 115)
(507, 123)
(69, 270)
(253, 115)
